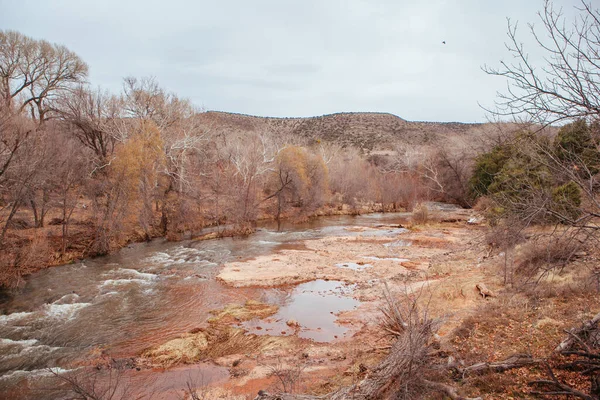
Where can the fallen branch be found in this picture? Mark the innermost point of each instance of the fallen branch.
(262, 395)
(512, 362)
(484, 291)
(578, 333)
(560, 388)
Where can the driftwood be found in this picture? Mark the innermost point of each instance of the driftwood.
(262, 395)
(405, 362)
(484, 291)
(576, 335)
(554, 387)
(582, 347)
(512, 362)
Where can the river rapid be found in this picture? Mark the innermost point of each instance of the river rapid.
(143, 295)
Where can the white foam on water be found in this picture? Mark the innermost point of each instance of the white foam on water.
(67, 298)
(22, 343)
(178, 255)
(138, 274)
(275, 232)
(14, 317)
(34, 373)
(24, 348)
(116, 282)
(63, 311)
(159, 257)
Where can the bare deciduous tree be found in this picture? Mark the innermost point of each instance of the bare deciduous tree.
(94, 118)
(567, 85)
(34, 72)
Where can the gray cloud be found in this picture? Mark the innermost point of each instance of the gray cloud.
(291, 58)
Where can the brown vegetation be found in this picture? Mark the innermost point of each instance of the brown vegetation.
(84, 171)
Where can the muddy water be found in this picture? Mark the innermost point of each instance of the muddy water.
(309, 311)
(149, 293)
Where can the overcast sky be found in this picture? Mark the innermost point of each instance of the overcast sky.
(292, 58)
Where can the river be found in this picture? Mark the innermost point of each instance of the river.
(143, 295)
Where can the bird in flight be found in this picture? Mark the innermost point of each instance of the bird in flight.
(443, 41)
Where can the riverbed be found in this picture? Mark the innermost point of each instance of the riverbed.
(324, 277)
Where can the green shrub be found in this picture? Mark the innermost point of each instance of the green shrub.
(487, 166)
(576, 146)
(566, 201)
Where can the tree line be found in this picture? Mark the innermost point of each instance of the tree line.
(83, 170)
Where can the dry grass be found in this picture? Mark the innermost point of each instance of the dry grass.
(218, 339)
(233, 313)
(24, 255)
(528, 320)
(422, 215)
(541, 257)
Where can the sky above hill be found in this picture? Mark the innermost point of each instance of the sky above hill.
(293, 58)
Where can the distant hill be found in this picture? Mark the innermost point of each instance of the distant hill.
(368, 131)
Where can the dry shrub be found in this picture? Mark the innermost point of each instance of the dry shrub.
(549, 290)
(288, 378)
(505, 236)
(402, 374)
(543, 257)
(483, 204)
(109, 384)
(466, 328)
(21, 257)
(421, 215)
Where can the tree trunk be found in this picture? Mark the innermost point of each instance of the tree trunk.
(278, 216)
(36, 219)
(44, 210)
(13, 211)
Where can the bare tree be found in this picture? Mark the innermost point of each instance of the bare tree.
(299, 178)
(94, 118)
(145, 99)
(446, 173)
(34, 72)
(21, 176)
(183, 137)
(71, 173)
(567, 85)
(251, 158)
(110, 384)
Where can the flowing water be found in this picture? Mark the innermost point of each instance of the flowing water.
(149, 293)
